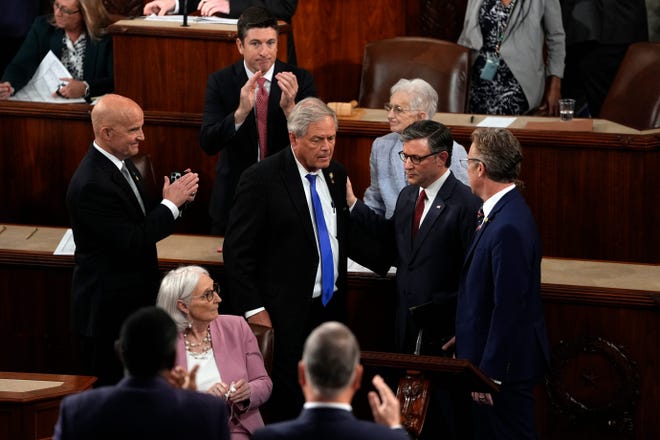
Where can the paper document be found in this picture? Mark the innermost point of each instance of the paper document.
(66, 245)
(496, 121)
(44, 82)
(358, 268)
(192, 19)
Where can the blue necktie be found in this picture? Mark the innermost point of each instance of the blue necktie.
(327, 263)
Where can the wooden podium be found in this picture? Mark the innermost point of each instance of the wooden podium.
(30, 403)
(422, 373)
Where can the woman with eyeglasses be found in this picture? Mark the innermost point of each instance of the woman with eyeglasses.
(410, 100)
(221, 348)
(75, 33)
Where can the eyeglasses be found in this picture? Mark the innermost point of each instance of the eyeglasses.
(210, 294)
(397, 109)
(64, 10)
(466, 162)
(416, 160)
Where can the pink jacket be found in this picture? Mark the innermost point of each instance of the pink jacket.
(237, 356)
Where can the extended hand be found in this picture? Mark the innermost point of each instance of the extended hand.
(247, 98)
(288, 83)
(182, 190)
(350, 196)
(384, 406)
(210, 7)
(160, 7)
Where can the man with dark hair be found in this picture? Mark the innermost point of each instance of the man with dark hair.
(284, 252)
(143, 405)
(330, 374)
(246, 108)
(500, 326)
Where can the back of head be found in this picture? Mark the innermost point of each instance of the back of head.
(255, 17)
(331, 355)
(500, 152)
(422, 95)
(147, 342)
(306, 112)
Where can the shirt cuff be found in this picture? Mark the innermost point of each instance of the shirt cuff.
(254, 312)
(172, 207)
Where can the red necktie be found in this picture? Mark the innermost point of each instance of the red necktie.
(419, 210)
(480, 218)
(262, 115)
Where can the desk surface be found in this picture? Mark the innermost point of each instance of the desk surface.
(201, 249)
(32, 387)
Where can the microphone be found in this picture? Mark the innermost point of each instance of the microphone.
(185, 13)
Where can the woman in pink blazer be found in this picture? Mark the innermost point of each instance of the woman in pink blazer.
(222, 348)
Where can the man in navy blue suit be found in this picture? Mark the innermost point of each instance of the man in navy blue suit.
(330, 374)
(144, 405)
(500, 326)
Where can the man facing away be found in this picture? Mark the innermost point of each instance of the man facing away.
(246, 108)
(143, 405)
(116, 226)
(330, 374)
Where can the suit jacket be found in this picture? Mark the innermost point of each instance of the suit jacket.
(271, 259)
(238, 357)
(524, 41)
(326, 424)
(139, 408)
(116, 265)
(428, 267)
(500, 326)
(388, 176)
(240, 148)
(42, 37)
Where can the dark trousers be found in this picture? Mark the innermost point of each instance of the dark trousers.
(100, 359)
(512, 416)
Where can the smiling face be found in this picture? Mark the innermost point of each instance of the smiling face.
(259, 48)
(401, 115)
(314, 150)
(123, 136)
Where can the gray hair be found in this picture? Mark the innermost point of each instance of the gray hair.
(178, 285)
(331, 356)
(500, 152)
(422, 95)
(306, 112)
(436, 134)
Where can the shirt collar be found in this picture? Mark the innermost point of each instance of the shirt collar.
(492, 201)
(333, 405)
(118, 163)
(432, 189)
(303, 171)
(268, 75)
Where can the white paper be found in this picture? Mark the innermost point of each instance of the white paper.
(44, 82)
(192, 19)
(66, 245)
(496, 121)
(358, 268)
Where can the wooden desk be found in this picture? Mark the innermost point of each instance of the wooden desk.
(602, 319)
(30, 403)
(164, 66)
(593, 194)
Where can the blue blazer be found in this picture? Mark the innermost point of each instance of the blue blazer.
(43, 36)
(141, 408)
(327, 424)
(428, 268)
(500, 326)
(388, 177)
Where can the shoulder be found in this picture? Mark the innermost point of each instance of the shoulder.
(389, 140)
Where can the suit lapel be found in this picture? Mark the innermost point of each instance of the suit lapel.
(294, 186)
(108, 168)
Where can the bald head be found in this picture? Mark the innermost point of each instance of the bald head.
(117, 122)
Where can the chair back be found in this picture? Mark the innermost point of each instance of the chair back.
(634, 96)
(266, 341)
(443, 64)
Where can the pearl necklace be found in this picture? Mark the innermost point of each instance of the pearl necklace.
(198, 350)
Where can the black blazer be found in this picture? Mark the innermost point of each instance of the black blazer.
(42, 37)
(428, 268)
(328, 423)
(239, 149)
(116, 266)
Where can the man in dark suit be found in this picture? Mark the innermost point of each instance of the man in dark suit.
(116, 228)
(144, 405)
(330, 374)
(500, 326)
(285, 267)
(426, 239)
(234, 123)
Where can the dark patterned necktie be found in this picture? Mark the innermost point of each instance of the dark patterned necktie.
(419, 210)
(480, 218)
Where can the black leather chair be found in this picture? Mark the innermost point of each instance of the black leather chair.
(443, 64)
(634, 96)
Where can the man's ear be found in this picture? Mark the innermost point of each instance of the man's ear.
(302, 379)
(239, 45)
(357, 381)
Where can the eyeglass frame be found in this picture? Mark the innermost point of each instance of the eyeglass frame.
(466, 162)
(397, 109)
(415, 159)
(64, 10)
(209, 295)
